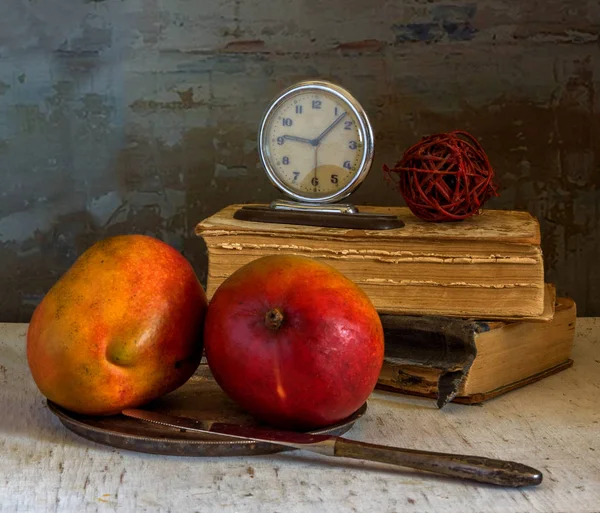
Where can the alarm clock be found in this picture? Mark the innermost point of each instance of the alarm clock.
(315, 143)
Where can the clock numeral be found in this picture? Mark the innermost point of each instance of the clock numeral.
(296, 175)
(316, 104)
(280, 140)
(348, 164)
(352, 145)
(287, 121)
(334, 178)
(335, 111)
(347, 125)
(315, 181)
(285, 160)
(298, 109)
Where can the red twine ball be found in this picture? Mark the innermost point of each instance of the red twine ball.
(444, 177)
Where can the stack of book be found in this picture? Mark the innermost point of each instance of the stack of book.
(466, 312)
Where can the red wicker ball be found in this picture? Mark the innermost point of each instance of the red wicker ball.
(444, 177)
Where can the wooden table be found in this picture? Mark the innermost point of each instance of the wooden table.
(553, 425)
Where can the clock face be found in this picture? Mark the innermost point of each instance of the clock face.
(313, 143)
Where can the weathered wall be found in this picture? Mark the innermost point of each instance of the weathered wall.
(123, 116)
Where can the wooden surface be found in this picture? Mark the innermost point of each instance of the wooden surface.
(553, 425)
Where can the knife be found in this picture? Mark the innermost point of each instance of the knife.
(476, 468)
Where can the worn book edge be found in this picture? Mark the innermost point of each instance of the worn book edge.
(435, 357)
(480, 397)
(518, 227)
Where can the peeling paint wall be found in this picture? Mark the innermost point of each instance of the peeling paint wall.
(122, 116)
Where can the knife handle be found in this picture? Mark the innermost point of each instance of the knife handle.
(484, 470)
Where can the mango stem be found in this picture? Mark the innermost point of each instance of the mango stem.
(274, 319)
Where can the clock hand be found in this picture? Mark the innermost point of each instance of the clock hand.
(299, 139)
(316, 165)
(330, 128)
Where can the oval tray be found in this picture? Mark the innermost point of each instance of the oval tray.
(200, 398)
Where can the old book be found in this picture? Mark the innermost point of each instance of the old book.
(472, 361)
(489, 266)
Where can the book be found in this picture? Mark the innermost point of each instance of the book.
(473, 361)
(488, 266)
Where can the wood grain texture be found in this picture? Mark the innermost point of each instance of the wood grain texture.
(551, 425)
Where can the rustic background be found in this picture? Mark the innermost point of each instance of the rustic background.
(123, 116)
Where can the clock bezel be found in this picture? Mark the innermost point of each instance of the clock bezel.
(364, 127)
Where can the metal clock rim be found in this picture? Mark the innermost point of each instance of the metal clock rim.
(364, 126)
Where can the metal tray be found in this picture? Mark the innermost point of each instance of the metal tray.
(200, 398)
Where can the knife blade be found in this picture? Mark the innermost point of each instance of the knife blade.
(475, 468)
(323, 444)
